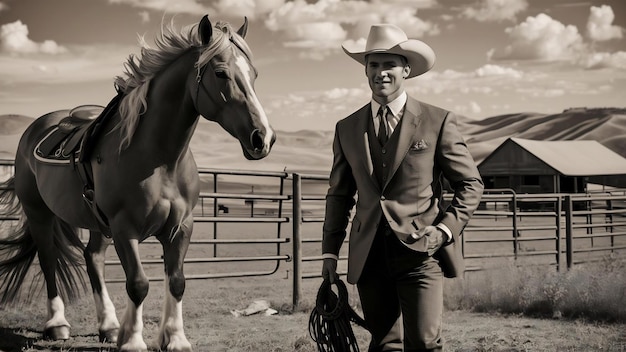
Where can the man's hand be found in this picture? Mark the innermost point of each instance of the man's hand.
(434, 235)
(329, 270)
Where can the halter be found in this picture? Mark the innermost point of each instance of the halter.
(202, 70)
(199, 85)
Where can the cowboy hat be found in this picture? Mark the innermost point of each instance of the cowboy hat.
(389, 39)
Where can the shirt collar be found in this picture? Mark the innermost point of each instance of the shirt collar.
(395, 106)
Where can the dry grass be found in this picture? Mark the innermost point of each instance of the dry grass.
(211, 327)
(511, 309)
(595, 292)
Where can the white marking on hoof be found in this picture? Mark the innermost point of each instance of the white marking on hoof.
(171, 333)
(108, 325)
(129, 337)
(57, 327)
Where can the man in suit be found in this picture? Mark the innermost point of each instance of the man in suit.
(393, 153)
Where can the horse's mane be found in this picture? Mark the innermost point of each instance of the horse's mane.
(170, 44)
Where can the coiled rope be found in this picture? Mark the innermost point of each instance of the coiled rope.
(329, 323)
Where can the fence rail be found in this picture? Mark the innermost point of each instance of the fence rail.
(241, 228)
(555, 230)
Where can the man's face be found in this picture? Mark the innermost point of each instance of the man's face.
(386, 74)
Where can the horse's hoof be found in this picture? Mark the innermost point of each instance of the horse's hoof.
(176, 345)
(109, 336)
(133, 347)
(57, 333)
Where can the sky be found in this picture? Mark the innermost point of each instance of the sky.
(494, 57)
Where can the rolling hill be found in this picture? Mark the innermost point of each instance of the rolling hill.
(605, 125)
(310, 151)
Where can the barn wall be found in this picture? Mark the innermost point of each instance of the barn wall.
(511, 159)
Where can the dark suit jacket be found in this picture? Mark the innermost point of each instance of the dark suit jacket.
(429, 146)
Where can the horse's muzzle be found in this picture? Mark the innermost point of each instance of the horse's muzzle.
(260, 148)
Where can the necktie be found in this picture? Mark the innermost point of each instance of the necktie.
(382, 125)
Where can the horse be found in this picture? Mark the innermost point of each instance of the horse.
(144, 181)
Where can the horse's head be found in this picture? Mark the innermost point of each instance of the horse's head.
(224, 88)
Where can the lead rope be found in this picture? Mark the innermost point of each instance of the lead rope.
(330, 321)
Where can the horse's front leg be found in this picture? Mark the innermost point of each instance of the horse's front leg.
(130, 336)
(95, 252)
(175, 241)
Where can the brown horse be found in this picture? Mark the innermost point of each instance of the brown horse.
(145, 180)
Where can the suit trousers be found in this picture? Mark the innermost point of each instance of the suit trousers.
(401, 293)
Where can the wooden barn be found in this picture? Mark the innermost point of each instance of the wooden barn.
(531, 166)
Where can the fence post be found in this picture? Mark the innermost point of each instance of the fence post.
(559, 246)
(297, 241)
(515, 231)
(569, 231)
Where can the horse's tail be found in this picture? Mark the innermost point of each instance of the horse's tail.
(18, 250)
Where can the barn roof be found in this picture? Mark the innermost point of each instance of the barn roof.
(575, 158)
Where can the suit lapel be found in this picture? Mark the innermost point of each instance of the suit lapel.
(362, 142)
(409, 123)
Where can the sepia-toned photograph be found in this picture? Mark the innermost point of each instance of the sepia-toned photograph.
(313, 175)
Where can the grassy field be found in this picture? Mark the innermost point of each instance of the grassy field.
(510, 309)
(210, 326)
(503, 309)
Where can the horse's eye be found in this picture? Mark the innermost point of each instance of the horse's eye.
(221, 74)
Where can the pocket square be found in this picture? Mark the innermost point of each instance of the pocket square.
(419, 145)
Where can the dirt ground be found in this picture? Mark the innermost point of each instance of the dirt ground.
(210, 326)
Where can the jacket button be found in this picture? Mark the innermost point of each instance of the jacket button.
(384, 164)
(382, 198)
(384, 151)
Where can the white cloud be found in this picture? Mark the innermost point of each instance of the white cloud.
(417, 4)
(471, 107)
(344, 93)
(495, 10)
(232, 8)
(600, 24)
(83, 65)
(316, 110)
(475, 108)
(447, 17)
(543, 38)
(297, 99)
(178, 6)
(297, 12)
(145, 16)
(541, 92)
(486, 81)
(323, 24)
(414, 26)
(315, 35)
(228, 8)
(249, 8)
(486, 71)
(14, 39)
(495, 70)
(540, 38)
(603, 60)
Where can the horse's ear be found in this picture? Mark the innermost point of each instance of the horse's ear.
(244, 28)
(205, 29)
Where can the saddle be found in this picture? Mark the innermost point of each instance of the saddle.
(75, 136)
(65, 141)
(72, 141)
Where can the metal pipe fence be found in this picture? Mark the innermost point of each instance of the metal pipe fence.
(554, 230)
(241, 217)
